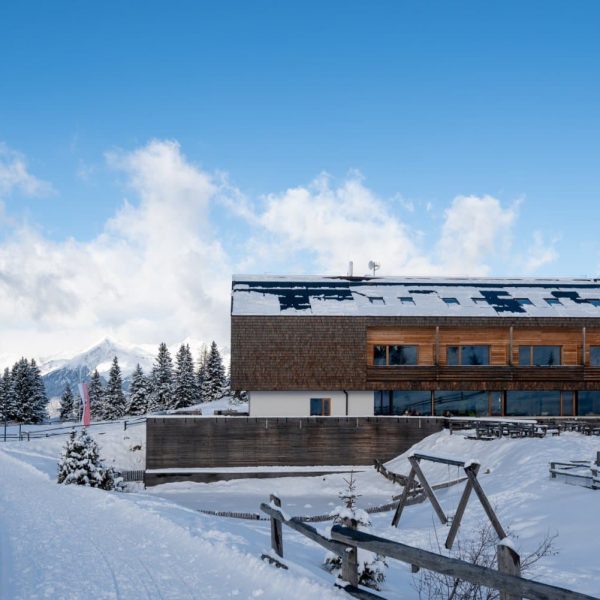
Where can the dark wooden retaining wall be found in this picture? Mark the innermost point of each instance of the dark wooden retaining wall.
(246, 442)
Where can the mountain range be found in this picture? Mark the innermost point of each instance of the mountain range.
(58, 372)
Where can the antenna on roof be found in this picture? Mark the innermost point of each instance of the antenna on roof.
(374, 266)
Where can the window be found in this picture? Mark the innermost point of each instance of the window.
(594, 302)
(376, 300)
(461, 403)
(588, 403)
(552, 301)
(480, 300)
(394, 356)
(400, 402)
(406, 300)
(320, 407)
(524, 301)
(539, 356)
(450, 301)
(467, 355)
(533, 403)
(594, 356)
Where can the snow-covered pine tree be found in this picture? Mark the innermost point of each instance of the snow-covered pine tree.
(39, 400)
(67, 404)
(185, 391)
(96, 393)
(80, 464)
(8, 397)
(371, 566)
(138, 393)
(215, 384)
(115, 403)
(201, 373)
(161, 396)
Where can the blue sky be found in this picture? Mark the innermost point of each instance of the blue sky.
(408, 106)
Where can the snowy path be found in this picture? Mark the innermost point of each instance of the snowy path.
(72, 542)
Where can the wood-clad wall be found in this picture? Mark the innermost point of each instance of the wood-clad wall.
(245, 442)
(296, 352)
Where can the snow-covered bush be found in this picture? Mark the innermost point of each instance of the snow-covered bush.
(371, 566)
(80, 464)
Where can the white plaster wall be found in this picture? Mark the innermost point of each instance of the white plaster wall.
(297, 403)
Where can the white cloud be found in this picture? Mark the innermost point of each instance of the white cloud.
(540, 253)
(14, 175)
(161, 267)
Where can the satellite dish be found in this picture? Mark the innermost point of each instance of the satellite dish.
(373, 266)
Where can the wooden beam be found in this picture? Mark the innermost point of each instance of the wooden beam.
(583, 345)
(438, 459)
(508, 562)
(454, 567)
(460, 511)
(407, 487)
(427, 489)
(276, 533)
(486, 504)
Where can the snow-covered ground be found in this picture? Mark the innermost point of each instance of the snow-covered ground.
(67, 542)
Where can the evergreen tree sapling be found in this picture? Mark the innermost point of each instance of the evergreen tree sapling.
(161, 396)
(185, 391)
(371, 566)
(138, 393)
(80, 464)
(67, 404)
(96, 393)
(115, 403)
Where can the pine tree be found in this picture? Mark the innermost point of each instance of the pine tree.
(371, 567)
(185, 391)
(115, 403)
(215, 383)
(39, 399)
(8, 397)
(80, 464)
(67, 404)
(201, 374)
(161, 396)
(29, 394)
(96, 393)
(138, 393)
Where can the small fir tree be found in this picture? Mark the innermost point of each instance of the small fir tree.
(185, 391)
(161, 396)
(371, 566)
(115, 403)
(96, 393)
(138, 393)
(80, 464)
(67, 404)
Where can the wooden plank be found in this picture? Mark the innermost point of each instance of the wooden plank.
(427, 489)
(438, 459)
(460, 510)
(306, 530)
(350, 559)
(485, 503)
(276, 533)
(357, 592)
(401, 504)
(508, 562)
(454, 567)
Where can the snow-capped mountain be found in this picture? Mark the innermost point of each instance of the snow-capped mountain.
(58, 372)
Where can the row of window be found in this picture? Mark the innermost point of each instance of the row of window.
(480, 403)
(479, 355)
(453, 301)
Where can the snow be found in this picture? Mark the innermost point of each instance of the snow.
(154, 543)
(380, 296)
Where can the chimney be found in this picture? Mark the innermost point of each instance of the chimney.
(350, 269)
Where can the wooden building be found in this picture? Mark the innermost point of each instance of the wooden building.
(361, 346)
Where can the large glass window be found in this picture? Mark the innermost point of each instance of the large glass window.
(539, 356)
(461, 403)
(588, 403)
(594, 356)
(533, 403)
(467, 355)
(567, 403)
(402, 402)
(394, 355)
(320, 407)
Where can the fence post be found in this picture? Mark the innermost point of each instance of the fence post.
(350, 558)
(124, 425)
(20, 436)
(552, 467)
(276, 530)
(509, 562)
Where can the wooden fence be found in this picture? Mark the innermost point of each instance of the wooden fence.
(345, 541)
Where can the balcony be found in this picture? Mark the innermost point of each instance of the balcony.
(487, 373)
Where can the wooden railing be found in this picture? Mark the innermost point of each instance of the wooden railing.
(483, 373)
(345, 541)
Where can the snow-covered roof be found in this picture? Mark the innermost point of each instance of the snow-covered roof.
(415, 296)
